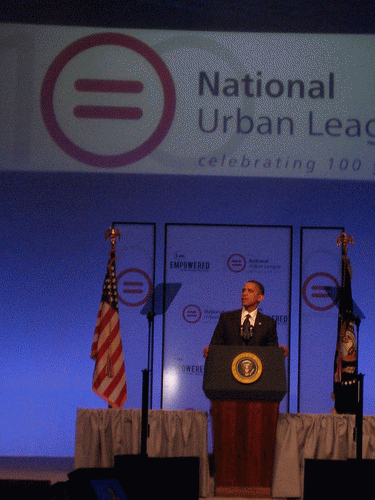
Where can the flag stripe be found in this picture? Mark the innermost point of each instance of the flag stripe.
(102, 368)
(102, 365)
(112, 386)
(111, 338)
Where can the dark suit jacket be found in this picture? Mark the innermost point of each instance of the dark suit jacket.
(228, 330)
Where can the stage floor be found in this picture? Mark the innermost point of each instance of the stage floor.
(53, 469)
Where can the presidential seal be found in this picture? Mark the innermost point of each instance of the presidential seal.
(246, 368)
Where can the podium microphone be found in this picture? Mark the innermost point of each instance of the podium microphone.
(251, 332)
(247, 333)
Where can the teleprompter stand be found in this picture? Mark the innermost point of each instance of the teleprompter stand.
(158, 303)
(245, 386)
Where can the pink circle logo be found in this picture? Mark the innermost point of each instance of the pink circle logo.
(191, 313)
(134, 287)
(113, 97)
(236, 263)
(315, 294)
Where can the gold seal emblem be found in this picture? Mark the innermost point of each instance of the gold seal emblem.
(247, 368)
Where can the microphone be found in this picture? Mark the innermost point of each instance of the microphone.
(251, 331)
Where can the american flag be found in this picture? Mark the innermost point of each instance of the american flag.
(109, 381)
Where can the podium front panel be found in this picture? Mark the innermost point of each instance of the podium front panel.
(222, 381)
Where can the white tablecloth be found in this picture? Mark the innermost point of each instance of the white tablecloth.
(324, 437)
(103, 434)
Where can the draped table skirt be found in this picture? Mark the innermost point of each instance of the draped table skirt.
(319, 437)
(103, 434)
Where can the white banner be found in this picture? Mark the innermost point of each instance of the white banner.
(172, 102)
(212, 263)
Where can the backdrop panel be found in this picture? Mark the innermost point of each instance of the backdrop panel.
(135, 268)
(212, 263)
(320, 268)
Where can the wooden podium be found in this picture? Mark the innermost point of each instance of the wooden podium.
(245, 386)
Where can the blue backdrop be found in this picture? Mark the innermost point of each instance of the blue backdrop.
(53, 258)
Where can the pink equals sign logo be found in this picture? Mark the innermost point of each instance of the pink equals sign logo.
(191, 313)
(134, 287)
(108, 112)
(236, 263)
(100, 146)
(314, 291)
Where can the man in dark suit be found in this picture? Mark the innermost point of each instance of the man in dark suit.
(246, 326)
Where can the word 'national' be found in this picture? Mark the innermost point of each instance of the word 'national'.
(256, 87)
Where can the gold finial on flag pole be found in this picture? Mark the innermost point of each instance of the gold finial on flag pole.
(343, 240)
(113, 234)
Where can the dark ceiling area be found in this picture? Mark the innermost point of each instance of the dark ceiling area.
(330, 16)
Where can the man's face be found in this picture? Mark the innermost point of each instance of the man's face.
(251, 296)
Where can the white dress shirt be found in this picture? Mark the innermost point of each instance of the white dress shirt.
(253, 315)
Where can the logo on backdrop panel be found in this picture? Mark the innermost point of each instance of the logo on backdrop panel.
(108, 100)
(192, 313)
(134, 287)
(315, 294)
(237, 263)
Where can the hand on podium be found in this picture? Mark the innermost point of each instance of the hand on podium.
(285, 349)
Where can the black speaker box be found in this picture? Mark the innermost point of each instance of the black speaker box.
(95, 484)
(328, 479)
(21, 489)
(168, 478)
(136, 477)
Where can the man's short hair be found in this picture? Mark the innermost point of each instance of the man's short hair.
(259, 285)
